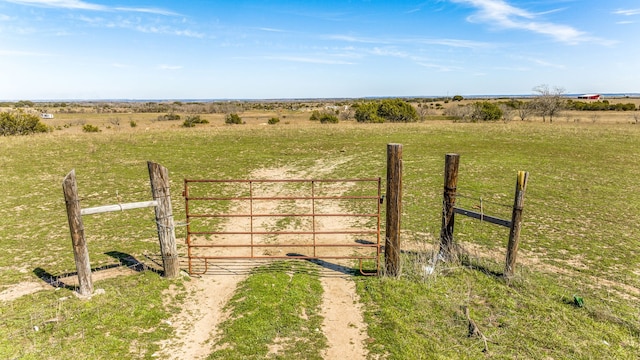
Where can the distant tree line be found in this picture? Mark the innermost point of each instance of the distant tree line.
(603, 105)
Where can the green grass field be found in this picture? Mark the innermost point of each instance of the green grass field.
(580, 235)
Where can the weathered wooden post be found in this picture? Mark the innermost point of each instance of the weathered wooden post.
(80, 251)
(394, 209)
(516, 222)
(448, 206)
(159, 177)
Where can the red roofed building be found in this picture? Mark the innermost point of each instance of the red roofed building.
(590, 96)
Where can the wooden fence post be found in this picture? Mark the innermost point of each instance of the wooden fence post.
(448, 205)
(80, 251)
(516, 221)
(159, 177)
(394, 209)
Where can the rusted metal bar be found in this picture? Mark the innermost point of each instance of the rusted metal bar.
(336, 232)
(278, 215)
(281, 180)
(268, 198)
(281, 245)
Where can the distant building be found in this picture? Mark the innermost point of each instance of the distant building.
(46, 116)
(590, 96)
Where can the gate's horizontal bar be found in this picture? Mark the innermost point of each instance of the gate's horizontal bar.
(247, 246)
(277, 215)
(483, 217)
(283, 257)
(247, 198)
(119, 207)
(282, 232)
(282, 180)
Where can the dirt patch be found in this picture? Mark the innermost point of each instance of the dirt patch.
(199, 317)
(30, 287)
(21, 289)
(343, 323)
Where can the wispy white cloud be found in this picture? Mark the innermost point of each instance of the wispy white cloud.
(154, 11)
(270, 30)
(83, 5)
(627, 12)
(501, 14)
(355, 39)
(66, 4)
(537, 61)
(169, 67)
(4, 17)
(459, 43)
(389, 52)
(137, 25)
(439, 67)
(310, 60)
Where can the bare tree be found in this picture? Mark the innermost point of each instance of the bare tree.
(459, 112)
(507, 112)
(524, 109)
(548, 102)
(423, 111)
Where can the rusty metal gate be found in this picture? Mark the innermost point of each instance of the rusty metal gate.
(283, 219)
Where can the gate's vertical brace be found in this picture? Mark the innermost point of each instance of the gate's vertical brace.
(448, 206)
(251, 214)
(378, 226)
(185, 194)
(394, 209)
(159, 178)
(516, 222)
(313, 215)
(80, 251)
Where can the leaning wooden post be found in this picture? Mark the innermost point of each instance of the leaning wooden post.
(516, 222)
(159, 177)
(394, 209)
(448, 206)
(80, 251)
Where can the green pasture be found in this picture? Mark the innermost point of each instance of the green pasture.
(580, 236)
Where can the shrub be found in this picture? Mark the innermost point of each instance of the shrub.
(396, 110)
(328, 119)
(486, 111)
(168, 117)
(133, 123)
(273, 121)
(19, 123)
(232, 118)
(393, 110)
(191, 121)
(315, 115)
(368, 113)
(90, 128)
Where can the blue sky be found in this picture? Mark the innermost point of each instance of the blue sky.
(141, 49)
